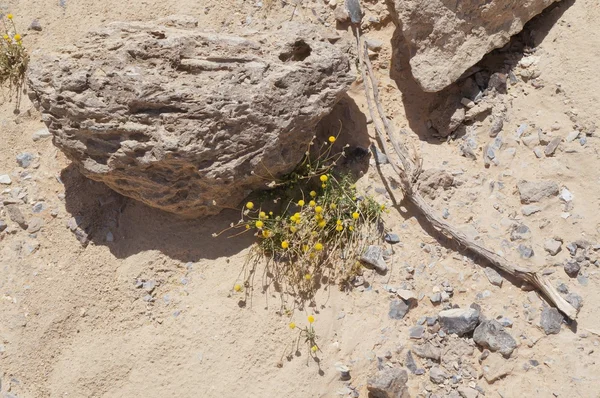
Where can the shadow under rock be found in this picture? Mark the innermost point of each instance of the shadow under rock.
(128, 227)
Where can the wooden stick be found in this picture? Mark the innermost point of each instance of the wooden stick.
(409, 175)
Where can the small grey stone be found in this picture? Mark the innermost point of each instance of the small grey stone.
(562, 288)
(427, 351)
(534, 191)
(149, 286)
(41, 134)
(528, 210)
(14, 213)
(497, 125)
(341, 15)
(566, 195)
(436, 298)
(493, 276)
(39, 207)
(374, 256)
(551, 320)
(467, 392)
(410, 363)
(553, 246)
(354, 10)
(3, 225)
(398, 309)
(572, 268)
(539, 153)
(582, 279)
(552, 146)
(506, 322)
(25, 159)
(445, 214)
(35, 25)
(572, 247)
(392, 238)
(380, 157)
(520, 232)
(5, 179)
(572, 136)
(525, 251)
(416, 332)
(437, 375)
(431, 320)
(148, 298)
(534, 363)
(34, 225)
(490, 334)
(582, 141)
(575, 300)
(388, 383)
(373, 44)
(522, 129)
(459, 320)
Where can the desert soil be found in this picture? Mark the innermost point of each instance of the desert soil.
(74, 323)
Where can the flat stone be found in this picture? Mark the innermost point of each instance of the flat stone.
(467, 392)
(528, 210)
(575, 300)
(25, 159)
(493, 276)
(436, 298)
(35, 25)
(497, 125)
(552, 246)
(41, 134)
(437, 375)
(3, 225)
(535, 191)
(14, 213)
(427, 351)
(572, 136)
(459, 320)
(538, 152)
(398, 309)
(406, 295)
(416, 332)
(373, 44)
(388, 383)
(373, 256)
(410, 363)
(34, 225)
(552, 146)
(520, 232)
(525, 251)
(5, 179)
(391, 238)
(490, 334)
(566, 195)
(551, 320)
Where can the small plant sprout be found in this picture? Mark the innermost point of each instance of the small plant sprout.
(14, 59)
(309, 336)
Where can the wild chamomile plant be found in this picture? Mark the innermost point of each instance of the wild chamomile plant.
(14, 58)
(315, 237)
(310, 340)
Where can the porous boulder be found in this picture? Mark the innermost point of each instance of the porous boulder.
(183, 120)
(446, 38)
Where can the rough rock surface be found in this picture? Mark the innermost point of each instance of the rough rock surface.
(459, 320)
(447, 38)
(183, 120)
(490, 334)
(388, 383)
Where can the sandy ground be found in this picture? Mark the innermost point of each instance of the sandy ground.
(74, 324)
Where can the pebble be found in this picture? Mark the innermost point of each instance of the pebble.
(34, 225)
(562, 288)
(496, 128)
(354, 10)
(572, 268)
(552, 146)
(416, 332)
(525, 251)
(3, 225)
(398, 309)
(506, 322)
(521, 130)
(551, 320)
(14, 213)
(39, 207)
(566, 195)
(538, 152)
(553, 246)
(582, 141)
(391, 238)
(428, 351)
(374, 256)
(575, 300)
(35, 25)
(572, 136)
(445, 214)
(437, 375)
(493, 276)
(25, 159)
(535, 191)
(528, 210)
(388, 382)
(459, 320)
(41, 134)
(490, 334)
(436, 298)
(373, 44)
(380, 157)
(5, 179)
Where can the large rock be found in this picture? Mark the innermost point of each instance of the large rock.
(448, 37)
(184, 120)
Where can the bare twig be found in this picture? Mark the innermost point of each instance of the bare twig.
(409, 174)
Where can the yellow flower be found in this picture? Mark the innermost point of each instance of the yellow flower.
(312, 203)
(292, 325)
(285, 244)
(323, 185)
(351, 228)
(5, 37)
(323, 178)
(322, 223)
(333, 206)
(250, 205)
(266, 233)
(304, 248)
(247, 226)
(339, 228)
(300, 203)
(259, 224)
(331, 139)
(237, 287)
(355, 215)
(314, 348)
(339, 222)
(311, 319)
(313, 194)
(314, 233)
(318, 209)
(262, 214)
(318, 247)
(17, 37)
(270, 213)
(9, 16)
(307, 277)
(382, 207)
(293, 229)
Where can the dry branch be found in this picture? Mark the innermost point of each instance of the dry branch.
(409, 174)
